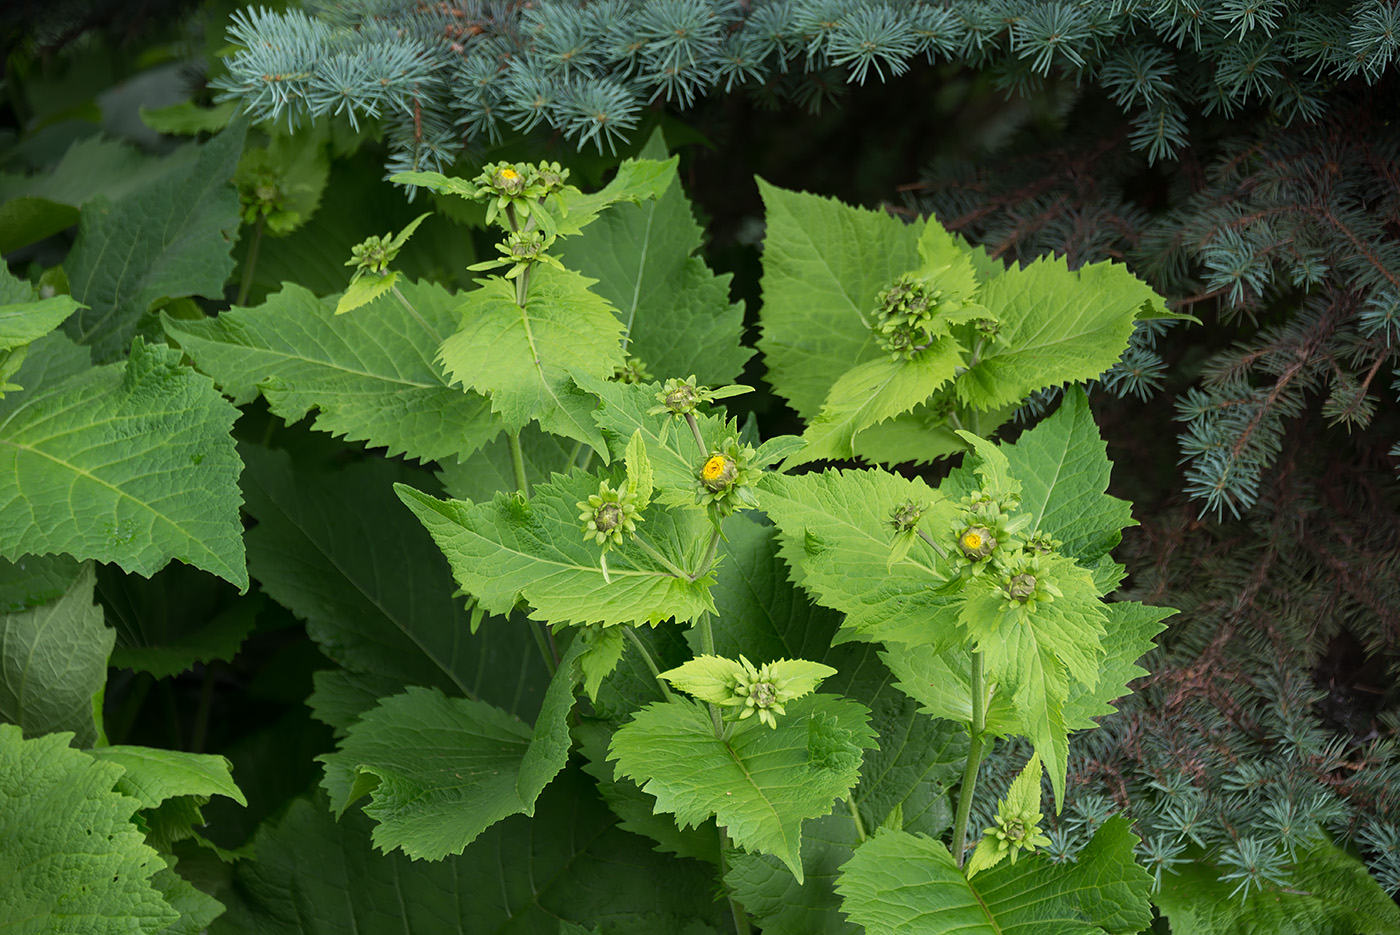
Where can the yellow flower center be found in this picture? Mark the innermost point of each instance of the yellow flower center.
(713, 468)
(972, 541)
(509, 174)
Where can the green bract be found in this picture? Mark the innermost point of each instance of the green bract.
(763, 689)
(1017, 823)
(724, 479)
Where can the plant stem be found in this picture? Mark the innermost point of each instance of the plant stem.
(707, 648)
(631, 634)
(550, 663)
(522, 287)
(432, 332)
(855, 815)
(250, 263)
(573, 455)
(695, 430)
(741, 918)
(708, 561)
(974, 760)
(517, 463)
(934, 545)
(661, 559)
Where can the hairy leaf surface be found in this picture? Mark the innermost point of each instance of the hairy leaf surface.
(370, 376)
(761, 783)
(902, 884)
(53, 661)
(129, 463)
(165, 241)
(70, 858)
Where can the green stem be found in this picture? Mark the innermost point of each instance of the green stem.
(661, 559)
(550, 662)
(974, 760)
(432, 332)
(651, 663)
(522, 287)
(517, 463)
(708, 561)
(741, 918)
(707, 648)
(855, 815)
(934, 545)
(573, 455)
(250, 263)
(695, 430)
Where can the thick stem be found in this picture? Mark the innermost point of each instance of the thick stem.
(250, 263)
(695, 430)
(550, 663)
(708, 561)
(432, 332)
(646, 657)
(707, 648)
(974, 760)
(934, 545)
(661, 559)
(741, 918)
(522, 287)
(517, 463)
(855, 816)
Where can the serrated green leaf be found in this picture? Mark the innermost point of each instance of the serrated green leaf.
(166, 241)
(187, 118)
(176, 618)
(32, 580)
(636, 811)
(340, 697)
(926, 434)
(1330, 893)
(992, 465)
(636, 181)
(1063, 468)
(513, 879)
(436, 181)
(376, 593)
(772, 895)
(1129, 628)
(901, 884)
(872, 392)
(70, 858)
(676, 313)
(128, 463)
(370, 376)
(524, 358)
(708, 678)
(53, 660)
(761, 783)
(823, 264)
(439, 771)
(639, 474)
(940, 681)
(511, 549)
(23, 316)
(835, 533)
(603, 649)
(153, 775)
(197, 909)
(363, 291)
(35, 207)
(1058, 325)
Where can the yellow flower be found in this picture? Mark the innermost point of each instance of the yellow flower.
(509, 174)
(714, 467)
(972, 542)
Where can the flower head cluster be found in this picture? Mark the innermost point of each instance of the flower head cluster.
(905, 517)
(519, 251)
(761, 690)
(725, 479)
(632, 370)
(1016, 825)
(518, 189)
(609, 515)
(1024, 583)
(984, 533)
(903, 314)
(681, 398)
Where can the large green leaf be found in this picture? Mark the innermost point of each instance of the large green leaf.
(1063, 468)
(369, 375)
(783, 906)
(129, 463)
(1058, 326)
(53, 661)
(835, 533)
(1129, 628)
(676, 313)
(442, 770)
(70, 858)
(374, 590)
(151, 775)
(523, 358)
(512, 548)
(32, 580)
(38, 206)
(24, 316)
(489, 470)
(521, 877)
(760, 783)
(178, 617)
(169, 240)
(905, 884)
(1329, 893)
(873, 392)
(823, 264)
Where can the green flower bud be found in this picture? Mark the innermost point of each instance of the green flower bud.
(906, 516)
(1020, 588)
(718, 472)
(977, 542)
(608, 516)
